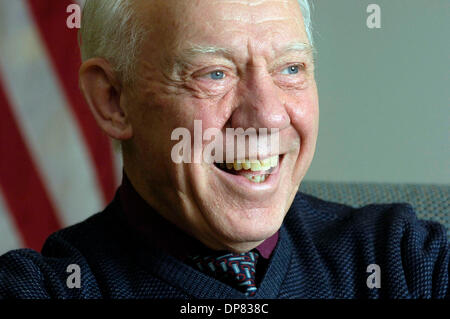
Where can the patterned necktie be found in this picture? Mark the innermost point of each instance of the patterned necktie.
(237, 270)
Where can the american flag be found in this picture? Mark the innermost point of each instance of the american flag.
(56, 166)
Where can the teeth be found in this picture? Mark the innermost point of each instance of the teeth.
(274, 161)
(256, 178)
(266, 162)
(246, 165)
(254, 166)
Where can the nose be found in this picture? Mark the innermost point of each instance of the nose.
(260, 103)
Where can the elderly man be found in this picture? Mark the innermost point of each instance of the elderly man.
(238, 229)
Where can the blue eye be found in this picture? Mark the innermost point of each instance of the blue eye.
(293, 69)
(217, 75)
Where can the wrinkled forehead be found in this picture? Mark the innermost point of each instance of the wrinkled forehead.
(174, 23)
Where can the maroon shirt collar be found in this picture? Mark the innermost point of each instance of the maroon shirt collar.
(156, 230)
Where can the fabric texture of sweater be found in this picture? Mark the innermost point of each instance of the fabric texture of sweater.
(323, 251)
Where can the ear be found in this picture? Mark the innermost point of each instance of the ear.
(102, 91)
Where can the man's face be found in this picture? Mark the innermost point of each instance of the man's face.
(255, 76)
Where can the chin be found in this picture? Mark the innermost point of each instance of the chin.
(247, 226)
(239, 209)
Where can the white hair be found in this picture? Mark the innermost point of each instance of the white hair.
(109, 30)
(306, 13)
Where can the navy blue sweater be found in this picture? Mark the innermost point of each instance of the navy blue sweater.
(323, 251)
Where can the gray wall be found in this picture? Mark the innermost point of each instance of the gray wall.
(384, 93)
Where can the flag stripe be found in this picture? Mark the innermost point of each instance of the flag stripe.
(10, 239)
(44, 118)
(61, 44)
(28, 202)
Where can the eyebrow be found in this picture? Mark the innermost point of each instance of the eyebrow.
(298, 47)
(197, 50)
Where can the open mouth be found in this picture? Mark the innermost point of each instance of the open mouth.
(256, 171)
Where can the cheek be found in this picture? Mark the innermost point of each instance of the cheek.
(303, 110)
(214, 113)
